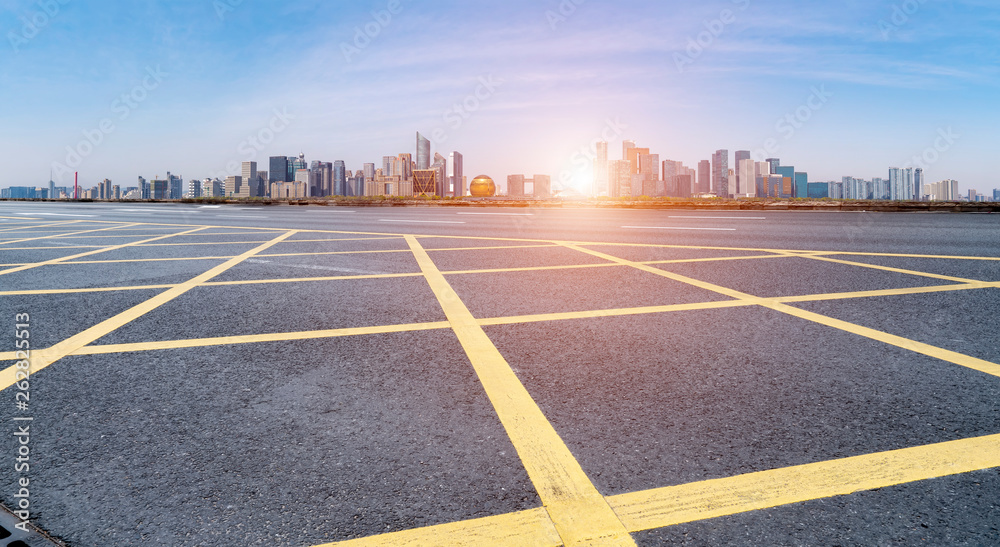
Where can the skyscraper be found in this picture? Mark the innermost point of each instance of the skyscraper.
(704, 177)
(720, 173)
(339, 178)
(626, 146)
(746, 170)
(649, 168)
(278, 169)
(249, 177)
(515, 186)
(918, 184)
(741, 185)
(405, 163)
(423, 152)
(369, 171)
(441, 166)
(174, 186)
(457, 174)
(620, 178)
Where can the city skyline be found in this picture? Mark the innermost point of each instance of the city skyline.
(844, 90)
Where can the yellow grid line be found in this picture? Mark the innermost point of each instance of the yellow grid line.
(578, 511)
(42, 359)
(663, 507)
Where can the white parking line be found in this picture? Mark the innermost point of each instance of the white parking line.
(422, 221)
(679, 228)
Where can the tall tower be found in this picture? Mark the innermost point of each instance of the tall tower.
(704, 177)
(742, 185)
(339, 178)
(720, 173)
(423, 152)
(250, 178)
(456, 171)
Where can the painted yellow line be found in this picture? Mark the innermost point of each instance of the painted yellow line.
(35, 226)
(890, 269)
(43, 358)
(886, 292)
(663, 273)
(56, 236)
(580, 514)
(41, 292)
(898, 255)
(729, 496)
(53, 248)
(257, 338)
(898, 341)
(891, 339)
(20, 218)
(520, 529)
(89, 253)
(699, 501)
(492, 248)
(619, 312)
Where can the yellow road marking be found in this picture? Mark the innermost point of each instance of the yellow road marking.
(43, 358)
(32, 226)
(674, 505)
(88, 253)
(891, 339)
(55, 236)
(890, 269)
(698, 501)
(898, 341)
(257, 338)
(519, 529)
(580, 514)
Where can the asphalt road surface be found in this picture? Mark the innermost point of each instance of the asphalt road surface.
(305, 376)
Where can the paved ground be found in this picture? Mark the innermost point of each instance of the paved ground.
(307, 375)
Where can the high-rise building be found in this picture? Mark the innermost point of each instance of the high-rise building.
(456, 173)
(773, 164)
(601, 168)
(175, 185)
(720, 173)
(704, 177)
(620, 178)
(277, 169)
(251, 187)
(649, 168)
(405, 169)
(626, 146)
(739, 186)
(423, 152)
(194, 189)
(633, 157)
(441, 180)
(340, 178)
(159, 189)
(369, 171)
(388, 165)
(801, 184)
(996, 194)
(746, 170)
(918, 184)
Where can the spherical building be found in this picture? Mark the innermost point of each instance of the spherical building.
(483, 187)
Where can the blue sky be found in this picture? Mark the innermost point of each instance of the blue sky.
(868, 84)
